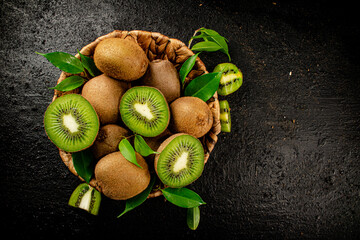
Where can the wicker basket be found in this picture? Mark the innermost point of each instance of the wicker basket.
(156, 46)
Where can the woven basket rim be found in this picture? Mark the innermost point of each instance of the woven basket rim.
(159, 46)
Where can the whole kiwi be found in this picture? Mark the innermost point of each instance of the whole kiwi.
(163, 75)
(190, 115)
(108, 140)
(120, 179)
(104, 94)
(122, 59)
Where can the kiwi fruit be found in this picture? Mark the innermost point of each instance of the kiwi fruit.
(108, 140)
(190, 115)
(122, 59)
(231, 78)
(71, 123)
(120, 179)
(225, 119)
(145, 111)
(104, 94)
(181, 160)
(163, 75)
(87, 198)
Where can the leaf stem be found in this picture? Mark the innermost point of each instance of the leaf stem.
(191, 39)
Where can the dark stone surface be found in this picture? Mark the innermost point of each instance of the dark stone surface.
(290, 168)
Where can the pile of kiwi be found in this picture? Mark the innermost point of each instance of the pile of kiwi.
(132, 96)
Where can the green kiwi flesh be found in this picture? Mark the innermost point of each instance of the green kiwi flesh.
(231, 78)
(87, 198)
(225, 119)
(145, 111)
(71, 123)
(181, 160)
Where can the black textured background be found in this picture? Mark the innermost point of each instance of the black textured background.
(290, 168)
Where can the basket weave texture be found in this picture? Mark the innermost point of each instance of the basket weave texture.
(156, 46)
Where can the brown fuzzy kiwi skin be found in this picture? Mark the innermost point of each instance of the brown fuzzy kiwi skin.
(162, 146)
(163, 75)
(104, 94)
(119, 179)
(190, 115)
(108, 140)
(122, 59)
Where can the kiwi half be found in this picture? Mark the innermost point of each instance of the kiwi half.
(145, 111)
(181, 160)
(231, 78)
(87, 198)
(71, 123)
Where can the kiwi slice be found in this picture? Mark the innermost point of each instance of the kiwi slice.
(71, 123)
(231, 79)
(181, 160)
(87, 198)
(225, 118)
(145, 111)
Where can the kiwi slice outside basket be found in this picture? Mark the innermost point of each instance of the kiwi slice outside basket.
(181, 160)
(145, 111)
(87, 198)
(225, 118)
(231, 78)
(71, 123)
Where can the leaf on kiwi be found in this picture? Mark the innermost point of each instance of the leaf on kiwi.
(186, 68)
(64, 61)
(203, 86)
(138, 199)
(84, 164)
(182, 197)
(193, 217)
(69, 83)
(128, 151)
(89, 64)
(142, 147)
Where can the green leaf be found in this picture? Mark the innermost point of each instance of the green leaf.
(142, 147)
(84, 164)
(186, 67)
(203, 86)
(69, 83)
(64, 61)
(128, 151)
(138, 199)
(193, 217)
(89, 65)
(182, 197)
(206, 46)
(213, 36)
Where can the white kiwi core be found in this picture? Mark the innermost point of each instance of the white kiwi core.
(144, 110)
(181, 162)
(70, 123)
(86, 200)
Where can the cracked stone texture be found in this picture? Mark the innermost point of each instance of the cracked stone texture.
(290, 167)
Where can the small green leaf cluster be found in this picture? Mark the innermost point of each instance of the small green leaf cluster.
(84, 68)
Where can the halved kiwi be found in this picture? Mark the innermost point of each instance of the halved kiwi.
(145, 111)
(87, 198)
(231, 78)
(71, 123)
(181, 160)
